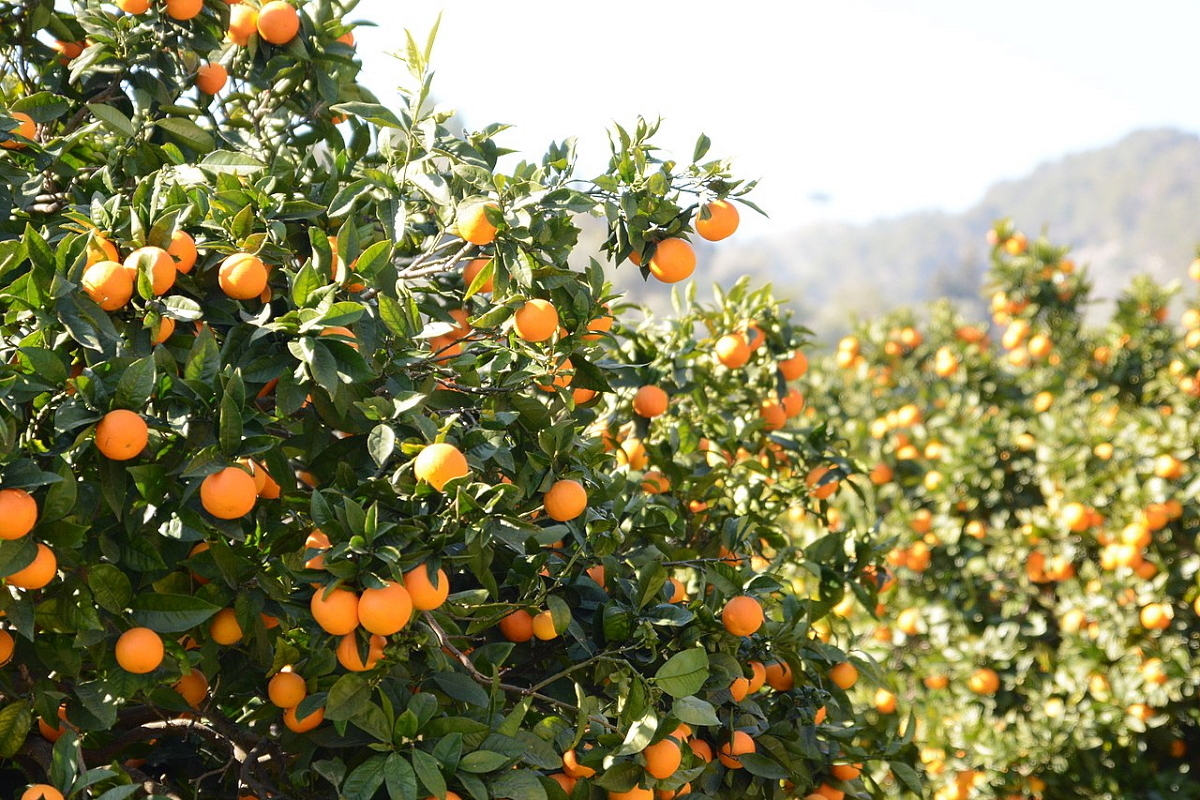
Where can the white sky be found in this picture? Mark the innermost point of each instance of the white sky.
(883, 107)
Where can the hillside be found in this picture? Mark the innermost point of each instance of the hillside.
(1128, 208)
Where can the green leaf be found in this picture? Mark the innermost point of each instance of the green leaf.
(227, 162)
(110, 587)
(366, 779)
(461, 688)
(371, 112)
(763, 767)
(695, 711)
(483, 761)
(171, 613)
(100, 701)
(16, 555)
(429, 771)
(347, 697)
(518, 783)
(907, 776)
(112, 119)
(15, 721)
(136, 384)
(400, 779)
(230, 434)
(187, 133)
(684, 673)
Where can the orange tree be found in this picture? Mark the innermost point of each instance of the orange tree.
(1034, 478)
(307, 487)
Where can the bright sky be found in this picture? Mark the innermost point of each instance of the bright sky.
(880, 107)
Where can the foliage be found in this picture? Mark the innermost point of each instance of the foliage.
(365, 346)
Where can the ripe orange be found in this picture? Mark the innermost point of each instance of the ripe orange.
(41, 791)
(133, 6)
(717, 220)
(25, 127)
(633, 453)
(108, 283)
(573, 768)
(166, 328)
(678, 591)
(793, 403)
(654, 482)
(565, 500)
(543, 626)
(192, 687)
(7, 646)
(426, 595)
(100, 249)
(224, 628)
(561, 778)
(673, 260)
(536, 321)
(472, 269)
(773, 414)
(844, 675)
(348, 654)
(242, 276)
(1168, 467)
(739, 688)
(211, 79)
(828, 792)
(317, 540)
(229, 493)
(243, 23)
(650, 401)
(38, 573)
(184, 9)
(440, 463)
(342, 331)
(286, 689)
(474, 225)
(636, 793)
(739, 744)
(794, 367)
(820, 490)
(732, 350)
(984, 681)
(303, 724)
(385, 611)
(742, 615)
(846, 772)
(162, 267)
(139, 650)
(599, 326)
(18, 513)
(121, 435)
(1156, 616)
(517, 626)
(335, 611)
(278, 22)
(663, 758)
(885, 701)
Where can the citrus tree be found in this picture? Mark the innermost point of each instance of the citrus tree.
(1035, 478)
(324, 473)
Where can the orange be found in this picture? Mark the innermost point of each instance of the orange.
(242, 276)
(25, 127)
(286, 688)
(758, 676)
(474, 226)
(599, 326)
(121, 435)
(211, 79)
(317, 540)
(565, 500)
(828, 792)
(846, 772)
(794, 367)
(654, 482)
(40, 571)
(1168, 467)
(440, 463)
(701, 749)
(347, 38)
(673, 260)
(820, 490)
(133, 6)
(243, 23)
(139, 650)
(41, 791)
(517, 626)
(348, 654)
(984, 681)
(739, 688)
(650, 401)
(844, 675)
(224, 628)
(342, 331)
(742, 615)
(732, 350)
(7, 646)
(1076, 516)
(108, 283)
(561, 778)
(793, 403)
(335, 611)
(472, 269)
(633, 453)
(229, 493)
(885, 701)
(192, 687)
(773, 414)
(184, 9)
(739, 744)
(278, 22)
(636, 793)
(663, 758)
(573, 768)
(303, 724)
(166, 328)
(1156, 616)
(162, 267)
(100, 249)
(18, 513)
(426, 595)
(69, 50)
(536, 321)
(385, 611)
(717, 220)
(543, 626)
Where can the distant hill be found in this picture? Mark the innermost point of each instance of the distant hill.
(1129, 208)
